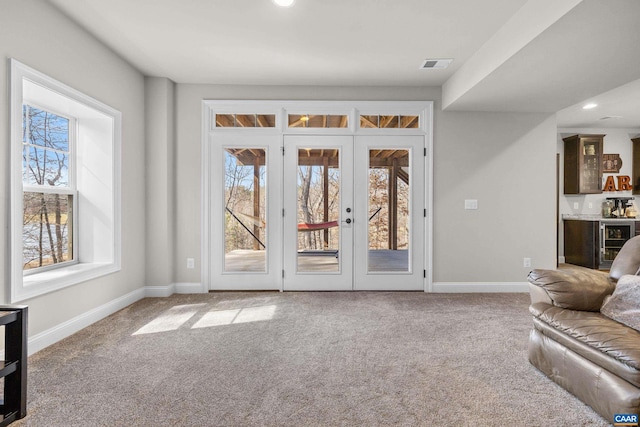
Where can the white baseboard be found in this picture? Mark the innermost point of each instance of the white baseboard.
(174, 288)
(159, 291)
(479, 287)
(190, 288)
(561, 260)
(71, 326)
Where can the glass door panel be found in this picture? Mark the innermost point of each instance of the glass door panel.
(388, 207)
(318, 211)
(245, 222)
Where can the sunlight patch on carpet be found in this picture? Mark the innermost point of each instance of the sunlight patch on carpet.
(171, 319)
(232, 317)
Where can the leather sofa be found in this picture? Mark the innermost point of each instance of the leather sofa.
(592, 356)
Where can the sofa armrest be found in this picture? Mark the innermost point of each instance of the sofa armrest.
(574, 290)
(539, 294)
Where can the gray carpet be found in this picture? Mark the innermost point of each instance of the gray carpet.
(302, 359)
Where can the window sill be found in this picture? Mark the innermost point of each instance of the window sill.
(37, 284)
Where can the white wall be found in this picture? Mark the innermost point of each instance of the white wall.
(506, 161)
(160, 179)
(616, 141)
(36, 34)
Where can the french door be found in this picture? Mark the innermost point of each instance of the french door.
(245, 219)
(318, 213)
(353, 213)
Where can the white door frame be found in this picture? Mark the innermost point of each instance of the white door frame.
(353, 109)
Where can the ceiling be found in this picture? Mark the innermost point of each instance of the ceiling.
(508, 55)
(617, 108)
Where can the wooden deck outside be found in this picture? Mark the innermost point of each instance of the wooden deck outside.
(379, 261)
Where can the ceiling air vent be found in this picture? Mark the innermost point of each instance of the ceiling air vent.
(435, 63)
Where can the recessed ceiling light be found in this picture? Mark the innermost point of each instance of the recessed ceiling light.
(589, 106)
(284, 3)
(429, 64)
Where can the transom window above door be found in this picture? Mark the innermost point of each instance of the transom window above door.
(251, 120)
(318, 121)
(376, 121)
(324, 117)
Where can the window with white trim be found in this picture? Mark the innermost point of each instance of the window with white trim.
(49, 191)
(65, 185)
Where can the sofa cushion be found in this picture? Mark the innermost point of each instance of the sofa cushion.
(594, 336)
(624, 304)
(575, 290)
(603, 390)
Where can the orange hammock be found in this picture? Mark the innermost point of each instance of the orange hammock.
(317, 226)
(301, 227)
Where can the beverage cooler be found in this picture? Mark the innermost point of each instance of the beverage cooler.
(613, 234)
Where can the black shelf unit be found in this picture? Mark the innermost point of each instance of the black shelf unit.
(14, 368)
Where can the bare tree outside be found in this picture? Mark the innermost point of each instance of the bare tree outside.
(311, 205)
(47, 197)
(245, 206)
(379, 210)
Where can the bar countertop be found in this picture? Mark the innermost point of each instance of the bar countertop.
(594, 217)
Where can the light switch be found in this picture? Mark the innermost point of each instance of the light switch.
(191, 263)
(471, 204)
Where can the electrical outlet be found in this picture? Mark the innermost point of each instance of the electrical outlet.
(471, 204)
(590, 205)
(191, 263)
(576, 205)
(526, 262)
